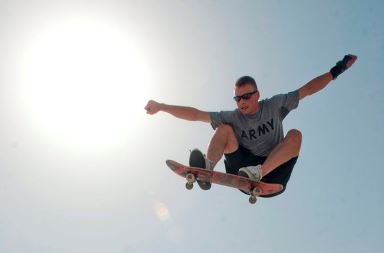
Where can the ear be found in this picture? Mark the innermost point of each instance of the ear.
(257, 95)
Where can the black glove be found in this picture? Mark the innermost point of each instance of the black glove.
(340, 66)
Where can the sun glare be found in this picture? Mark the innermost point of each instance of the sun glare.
(84, 82)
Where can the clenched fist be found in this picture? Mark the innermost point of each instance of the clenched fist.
(152, 107)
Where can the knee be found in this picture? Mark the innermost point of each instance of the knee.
(226, 130)
(228, 137)
(295, 136)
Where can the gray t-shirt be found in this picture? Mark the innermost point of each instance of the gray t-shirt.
(260, 132)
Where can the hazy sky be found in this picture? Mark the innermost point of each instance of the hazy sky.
(82, 167)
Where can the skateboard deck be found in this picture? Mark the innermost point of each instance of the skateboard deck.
(193, 174)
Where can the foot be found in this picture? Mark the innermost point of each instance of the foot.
(197, 159)
(251, 172)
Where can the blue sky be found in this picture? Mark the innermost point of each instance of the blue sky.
(82, 167)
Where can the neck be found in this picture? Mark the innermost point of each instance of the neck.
(255, 110)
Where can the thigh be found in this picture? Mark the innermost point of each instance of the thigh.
(280, 175)
(242, 157)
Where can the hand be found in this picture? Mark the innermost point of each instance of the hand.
(351, 61)
(152, 107)
(343, 65)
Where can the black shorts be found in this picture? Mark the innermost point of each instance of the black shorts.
(243, 158)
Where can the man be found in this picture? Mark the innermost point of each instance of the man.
(251, 137)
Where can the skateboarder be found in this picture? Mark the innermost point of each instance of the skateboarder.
(251, 137)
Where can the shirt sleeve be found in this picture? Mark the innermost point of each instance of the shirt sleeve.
(286, 102)
(222, 117)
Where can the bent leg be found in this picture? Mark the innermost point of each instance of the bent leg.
(223, 142)
(286, 150)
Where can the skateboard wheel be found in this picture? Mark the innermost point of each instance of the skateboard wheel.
(256, 191)
(189, 186)
(190, 178)
(252, 199)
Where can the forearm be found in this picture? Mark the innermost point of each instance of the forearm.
(316, 84)
(185, 112)
(323, 80)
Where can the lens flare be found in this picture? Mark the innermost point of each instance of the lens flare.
(161, 211)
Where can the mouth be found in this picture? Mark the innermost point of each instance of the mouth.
(244, 108)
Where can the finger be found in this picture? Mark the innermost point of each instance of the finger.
(149, 110)
(148, 105)
(351, 61)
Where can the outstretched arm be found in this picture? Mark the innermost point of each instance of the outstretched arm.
(181, 112)
(320, 82)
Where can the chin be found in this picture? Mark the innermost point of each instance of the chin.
(245, 112)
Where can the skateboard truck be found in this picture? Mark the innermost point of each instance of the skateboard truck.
(255, 192)
(190, 180)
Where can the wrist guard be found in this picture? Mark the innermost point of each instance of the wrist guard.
(340, 66)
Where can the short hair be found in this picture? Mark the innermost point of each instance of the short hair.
(244, 80)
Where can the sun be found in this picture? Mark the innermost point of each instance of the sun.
(85, 81)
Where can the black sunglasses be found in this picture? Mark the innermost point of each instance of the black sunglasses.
(245, 96)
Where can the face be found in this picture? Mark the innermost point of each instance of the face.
(247, 106)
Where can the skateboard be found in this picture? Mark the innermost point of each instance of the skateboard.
(254, 189)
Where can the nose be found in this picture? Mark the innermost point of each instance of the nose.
(241, 104)
(242, 101)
